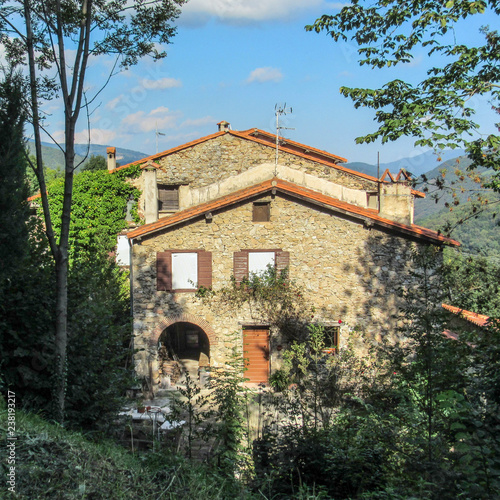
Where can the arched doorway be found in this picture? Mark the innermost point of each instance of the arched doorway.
(182, 347)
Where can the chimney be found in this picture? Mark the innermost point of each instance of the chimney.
(396, 200)
(224, 126)
(111, 158)
(150, 193)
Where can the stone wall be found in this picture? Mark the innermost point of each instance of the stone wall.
(348, 271)
(227, 155)
(227, 163)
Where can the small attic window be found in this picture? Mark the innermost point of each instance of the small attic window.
(168, 198)
(261, 211)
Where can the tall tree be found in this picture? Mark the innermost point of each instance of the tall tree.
(40, 35)
(13, 183)
(438, 111)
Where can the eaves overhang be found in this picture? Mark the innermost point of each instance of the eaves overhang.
(369, 217)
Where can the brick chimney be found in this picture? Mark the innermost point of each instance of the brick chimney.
(224, 126)
(111, 158)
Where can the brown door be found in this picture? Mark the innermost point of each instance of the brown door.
(256, 354)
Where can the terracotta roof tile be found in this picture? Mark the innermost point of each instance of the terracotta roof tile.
(298, 192)
(34, 197)
(472, 317)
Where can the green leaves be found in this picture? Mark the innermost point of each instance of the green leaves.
(438, 111)
(98, 209)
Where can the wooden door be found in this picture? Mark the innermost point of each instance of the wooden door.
(256, 354)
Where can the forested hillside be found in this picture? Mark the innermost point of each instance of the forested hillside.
(53, 157)
(455, 207)
(450, 205)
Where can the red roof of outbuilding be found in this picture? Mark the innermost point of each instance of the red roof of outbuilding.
(472, 317)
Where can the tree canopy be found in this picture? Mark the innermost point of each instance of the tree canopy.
(54, 41)
(438, 111)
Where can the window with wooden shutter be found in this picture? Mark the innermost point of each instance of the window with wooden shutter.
(163, 271)
(240, 266)
(205, 269)
(183, 270)
(282, 260)
(248, 261)
(261, 211)
(331, 336)
(168, 198)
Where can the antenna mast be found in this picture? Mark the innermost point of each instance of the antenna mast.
(278, 111)
(157, 134)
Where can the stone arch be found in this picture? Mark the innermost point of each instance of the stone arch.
(183, 318)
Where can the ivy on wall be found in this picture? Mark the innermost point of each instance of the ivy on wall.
(98, 209)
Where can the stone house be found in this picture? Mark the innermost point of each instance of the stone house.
(231, 204)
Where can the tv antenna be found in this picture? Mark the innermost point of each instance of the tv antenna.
(157, 135)
(279, 110)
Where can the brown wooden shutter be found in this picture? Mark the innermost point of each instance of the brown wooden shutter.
(282, 260)
(205, 269)
(240, 267)
(261, 212)
(164, 271)
(168, 197)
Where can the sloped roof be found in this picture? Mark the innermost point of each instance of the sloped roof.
(269, 140)
(368, 216)
(472, 317)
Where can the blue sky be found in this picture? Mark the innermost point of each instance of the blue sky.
(235, 60)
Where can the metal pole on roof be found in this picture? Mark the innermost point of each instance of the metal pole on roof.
(157, 134)
(280, 110)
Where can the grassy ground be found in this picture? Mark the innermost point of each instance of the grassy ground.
(51, 462)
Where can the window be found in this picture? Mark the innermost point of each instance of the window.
(331, 336)
(183, 270)
(261, 211)
(168, 198)
(256, 261)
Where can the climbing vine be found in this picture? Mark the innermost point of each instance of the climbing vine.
(98, 209)
(270, 297)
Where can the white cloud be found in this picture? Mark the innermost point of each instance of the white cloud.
(97, 136)
(160, 84)
(267, 74)
(160, 117)
(337, 5)
(114, 102)
(243, 11)
(197, 122)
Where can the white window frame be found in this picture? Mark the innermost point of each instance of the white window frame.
(184, 270)
(258, 262)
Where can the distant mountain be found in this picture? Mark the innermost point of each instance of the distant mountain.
(123, 156)
(478, 235)
(53, 157)
(364, 168)
(416, 165)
